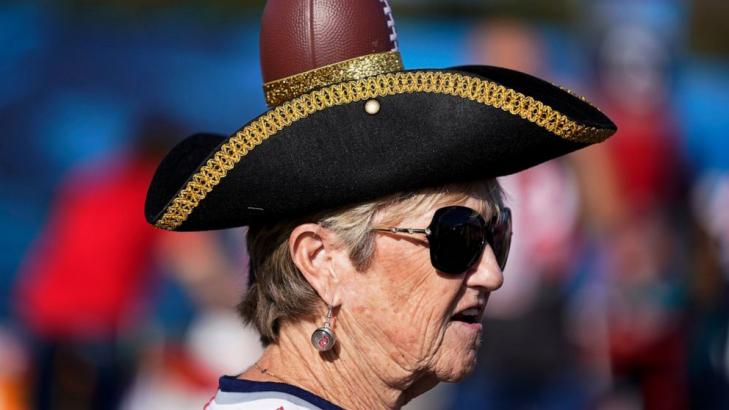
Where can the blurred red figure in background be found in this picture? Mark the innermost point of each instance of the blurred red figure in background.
(82, 277)
(647, 271)
(83, 282)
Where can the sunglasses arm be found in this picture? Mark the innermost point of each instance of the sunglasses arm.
(425, 231)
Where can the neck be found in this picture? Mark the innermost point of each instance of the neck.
(350, 375)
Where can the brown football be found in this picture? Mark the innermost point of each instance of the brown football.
(300, 35)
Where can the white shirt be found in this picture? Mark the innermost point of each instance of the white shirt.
(236, 394)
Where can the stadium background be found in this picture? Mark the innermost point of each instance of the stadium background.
(625, 305)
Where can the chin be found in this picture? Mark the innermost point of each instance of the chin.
(456, 375)
(458, 354)
(458, 366)
(465, 370)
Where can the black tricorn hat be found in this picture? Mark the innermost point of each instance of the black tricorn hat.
(346, 123)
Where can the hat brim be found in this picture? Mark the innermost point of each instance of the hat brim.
(323, 150)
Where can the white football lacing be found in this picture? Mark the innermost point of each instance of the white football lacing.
(390, 23)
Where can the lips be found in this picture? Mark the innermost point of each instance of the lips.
(471, 315)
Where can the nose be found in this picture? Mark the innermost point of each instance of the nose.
(486, 273)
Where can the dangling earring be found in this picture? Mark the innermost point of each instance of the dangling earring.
(324, 338)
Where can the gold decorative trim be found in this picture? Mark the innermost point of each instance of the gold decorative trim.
(287, 88)
(436, 82)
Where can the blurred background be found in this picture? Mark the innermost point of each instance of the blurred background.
(616, 290)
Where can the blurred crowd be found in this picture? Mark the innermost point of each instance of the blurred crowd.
(616, 290)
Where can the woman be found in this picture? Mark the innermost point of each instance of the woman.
(376, 228)
(401, 323)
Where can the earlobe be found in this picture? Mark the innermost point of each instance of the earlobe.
(311, 253)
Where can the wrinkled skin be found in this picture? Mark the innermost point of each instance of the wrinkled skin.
(403, 305)
(395, 337)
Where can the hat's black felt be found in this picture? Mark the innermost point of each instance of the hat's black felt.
(342, 155)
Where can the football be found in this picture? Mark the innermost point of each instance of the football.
(301, 35)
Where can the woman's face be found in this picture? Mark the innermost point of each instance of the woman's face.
(411, 312)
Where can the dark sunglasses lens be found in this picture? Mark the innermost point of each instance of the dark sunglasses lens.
(500, 236)
(456, 239)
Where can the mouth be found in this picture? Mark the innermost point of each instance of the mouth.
(471, 316)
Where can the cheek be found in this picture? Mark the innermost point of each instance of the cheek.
(407, 302)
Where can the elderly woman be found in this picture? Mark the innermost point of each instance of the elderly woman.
(376, 228)
(408, 306)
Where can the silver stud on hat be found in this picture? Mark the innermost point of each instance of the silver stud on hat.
(372, 106)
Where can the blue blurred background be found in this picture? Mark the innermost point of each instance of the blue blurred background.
(624, 305)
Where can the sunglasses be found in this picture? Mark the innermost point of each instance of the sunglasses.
(457, 236)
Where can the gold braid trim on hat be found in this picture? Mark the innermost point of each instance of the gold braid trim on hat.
(436, 82)
(357, 68)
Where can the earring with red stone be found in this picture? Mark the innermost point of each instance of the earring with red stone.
(324, 338)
